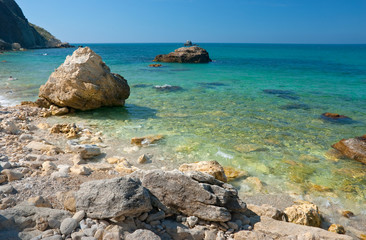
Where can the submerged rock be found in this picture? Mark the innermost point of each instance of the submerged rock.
(185, 55)
(336, 118)
(85, 82)
(155, 65)
(168, 88)
(354, 148)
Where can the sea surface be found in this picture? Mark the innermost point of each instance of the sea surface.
(256, 107)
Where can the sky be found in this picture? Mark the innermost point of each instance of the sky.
(202, 21)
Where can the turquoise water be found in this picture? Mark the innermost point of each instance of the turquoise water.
(223, 114)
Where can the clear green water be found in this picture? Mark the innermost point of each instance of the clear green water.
(223, 114)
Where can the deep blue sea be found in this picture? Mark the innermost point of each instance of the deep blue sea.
(256, 107)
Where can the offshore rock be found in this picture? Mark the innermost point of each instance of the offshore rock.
(185, 55)
(85, 82)
(195, 194)
(354, 148)
(113, 198)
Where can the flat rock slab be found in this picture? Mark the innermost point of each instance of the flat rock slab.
(285, 230)
(185, 55)
(113, 198)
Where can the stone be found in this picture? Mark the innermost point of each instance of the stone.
(337, 118)
(167, 88)
(304, 214)
(266, 210)
(80, 170)
(86, 151)
(156, 216)
(155, 65)
(7, 202)
(142, 159)
(113, 198)
(192, 221)
(5, 165)
(3, 178)
(142, 141)
(180, 231)
(56, 111)
(41, 224)
(43, 147)
(336, 228)
(68, 225)
(10, 127)
(347, 214)
(274, 229)
(233, 173)
(85, 82)
(142, 234)
(7, 189)
(70, 130)
(192, 54)
(39, 201)
(48, 167)
(181, 193)
(12, 175)
(116, 160)
(210, 167)
(78, 216)
(25, 216)
(354, 148)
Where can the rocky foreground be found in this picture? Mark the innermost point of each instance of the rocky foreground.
(57, 184)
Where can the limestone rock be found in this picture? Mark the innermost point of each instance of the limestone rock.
(12, 175)
(142, 159)
(68, 225)
(193, 198)
(86, 151)
(354, 148)
(210, 167)
(274, 229)
(39, 201)
(80, 170)
(85, 82)
(3, 178)
(185, 55)
(142, 234)
(266, 210)
(142, 141)
(113, 198)
(336, 228)
(304, 214)
(9, 127)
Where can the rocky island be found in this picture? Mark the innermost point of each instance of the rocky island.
(192, 54)
(17, 33)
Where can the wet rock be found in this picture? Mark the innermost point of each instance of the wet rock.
(56, 111)
(336, 228)
(337, 118)
(142, 159)
(167, 88)
(85, 82)
(192, 54)
(142, 141)
(347, 214)
(142, 234)
(128, 198)
(68, 225)
(210, 167)
(304, 213)
(203, 200)
(233, 173)
(354, 148)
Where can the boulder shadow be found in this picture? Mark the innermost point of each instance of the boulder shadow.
(295, 106)
(127, 112)
(337, 119)
(285, 94)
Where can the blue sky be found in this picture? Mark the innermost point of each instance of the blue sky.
(242, 21)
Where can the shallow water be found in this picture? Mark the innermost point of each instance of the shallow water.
(255, 107)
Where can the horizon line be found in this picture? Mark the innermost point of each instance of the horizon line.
(216, 43)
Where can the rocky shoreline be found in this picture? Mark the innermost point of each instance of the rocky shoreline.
(57, 182)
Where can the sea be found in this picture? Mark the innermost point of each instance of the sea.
(255, 107)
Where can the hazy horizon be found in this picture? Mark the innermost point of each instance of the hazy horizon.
(201, 21)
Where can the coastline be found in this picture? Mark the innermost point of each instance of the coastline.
(37, 182)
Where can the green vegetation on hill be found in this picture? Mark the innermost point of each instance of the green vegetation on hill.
(44, 33)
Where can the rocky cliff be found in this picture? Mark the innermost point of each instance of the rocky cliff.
(15, 28)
